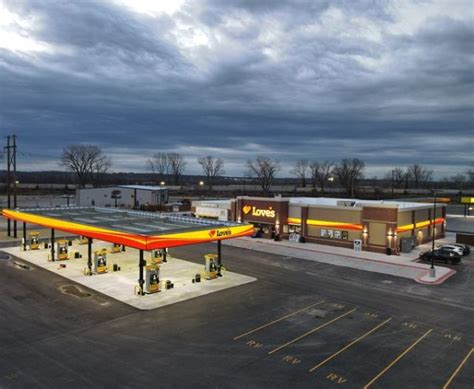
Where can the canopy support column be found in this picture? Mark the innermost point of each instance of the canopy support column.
(219, 257)
(89, 255)
(141, 281)
(52, 244)
(24, 236)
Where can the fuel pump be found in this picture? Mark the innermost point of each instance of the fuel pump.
(83, 240)
(152, 279)
(34, 241)
(211, 268)
(100, 261)
(156, 257)
(61, 251)
(116, 248)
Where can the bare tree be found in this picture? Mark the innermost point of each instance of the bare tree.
(396, 177)
(323, 174)
(176, 164)
(458, 180)
(348, 173)
(159, 166)
(314, 168)
(87, 162)
(99, 170)
(419, 175)
(300, 170)
(212, 167)
(265, 169)
(470, 172)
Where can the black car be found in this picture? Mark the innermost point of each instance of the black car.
(441, 256)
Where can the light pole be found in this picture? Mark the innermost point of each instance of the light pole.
(433, 232)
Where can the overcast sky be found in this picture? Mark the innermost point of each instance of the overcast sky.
(390, 82)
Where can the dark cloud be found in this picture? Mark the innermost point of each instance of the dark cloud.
(391, 83)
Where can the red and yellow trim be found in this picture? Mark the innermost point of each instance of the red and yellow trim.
(423, 224)
(294, 220)
(141, 242)
(329, 224)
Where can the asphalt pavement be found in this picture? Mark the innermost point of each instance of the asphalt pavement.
(303, 324)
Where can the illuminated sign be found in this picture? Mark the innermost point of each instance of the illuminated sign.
(467, 200)
(270, 212)
(220, 233)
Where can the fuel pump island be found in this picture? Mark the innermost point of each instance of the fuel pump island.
(143, 231)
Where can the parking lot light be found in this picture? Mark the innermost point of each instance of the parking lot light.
(433, 232)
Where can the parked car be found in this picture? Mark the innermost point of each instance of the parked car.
(465, 248)
(450, 247)
(441, 256)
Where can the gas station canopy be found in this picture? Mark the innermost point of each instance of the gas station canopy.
(140, 230)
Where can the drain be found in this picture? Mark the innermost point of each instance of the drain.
(75, 291)
(4, 256)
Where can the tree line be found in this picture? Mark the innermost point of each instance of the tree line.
(89, 164)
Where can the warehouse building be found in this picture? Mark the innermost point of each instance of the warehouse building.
(126, 196)
(369, 225)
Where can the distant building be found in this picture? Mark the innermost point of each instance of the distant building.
(128, 196)
(380, 226)
(212, 209)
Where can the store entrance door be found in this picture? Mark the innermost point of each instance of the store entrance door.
(266, 231)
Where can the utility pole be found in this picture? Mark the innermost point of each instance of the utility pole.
(11, 176)
(7, 148)
(14, 186)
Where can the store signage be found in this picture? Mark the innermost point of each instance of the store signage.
(220, 233)
(269, 212)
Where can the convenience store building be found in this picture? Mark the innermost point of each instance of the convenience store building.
(369, 225)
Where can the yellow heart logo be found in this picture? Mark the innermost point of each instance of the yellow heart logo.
(247, 209)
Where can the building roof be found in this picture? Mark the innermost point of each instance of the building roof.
(328, 201)
(143, 187)
(142, 230)
(343, 202)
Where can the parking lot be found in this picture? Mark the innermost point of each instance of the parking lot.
(335, 343)
(301, 324)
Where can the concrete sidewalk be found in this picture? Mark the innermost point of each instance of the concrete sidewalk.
(395, 265)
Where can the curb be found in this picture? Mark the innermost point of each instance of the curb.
(418, 278)
(353, 257)
(439, 281)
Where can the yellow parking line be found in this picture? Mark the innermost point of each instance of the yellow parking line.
(280, 319)
(458, 369)
(398, 358)
(311, 331)
(349, 345)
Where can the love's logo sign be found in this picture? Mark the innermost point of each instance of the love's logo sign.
(247, 209)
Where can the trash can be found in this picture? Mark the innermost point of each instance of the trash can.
(389, 251)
